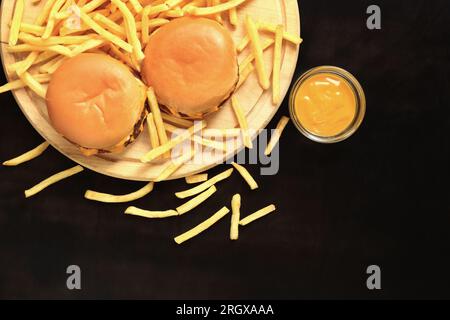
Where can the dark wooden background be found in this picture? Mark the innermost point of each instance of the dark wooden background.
(382, 197)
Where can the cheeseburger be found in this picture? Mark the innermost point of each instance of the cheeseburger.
(97, 103)
(192, 65)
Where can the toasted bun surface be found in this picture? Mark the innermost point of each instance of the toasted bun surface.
(94, 101)
(192, 65)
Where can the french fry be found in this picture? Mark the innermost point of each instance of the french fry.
(152, 131)
(235, 216)
(257, 50)
(109, 24)
(177, 121)
(51, 66)
(55, 40)
(45, 12)
(30, 155)
(174, 165)
(244, 75)
(52, 180)
(257, 215)
(246, 175)
(205, 185)
(52, 19)
(276, 91)
(242, 122)
(16, 22)
(207, 11)
(28, 47)
(88, 45)
(276, 137)
(19, 84)
(130, 28)
(198, 178)
(92, 5)
(195, 202)
(155, 153)
(209, 143)
(32, 28)
(105, 34)
(154, 107)
(109, 198)
(137, 7)
(27, 63)
(233, 17)
(267, 27)
(151, 214)
(202, 227)
(249, 59)
(33, 84)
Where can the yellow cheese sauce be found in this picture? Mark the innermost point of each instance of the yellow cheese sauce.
(325, 104)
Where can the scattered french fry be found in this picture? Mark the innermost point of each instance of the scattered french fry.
(195, 202)
(249, 59)
(155, 153)
(33, 84)
(109, 198)
(18, 84)
(16, 22)
(233, 16)
(205, 185)
(276, 137)
(202, 227)
(246, 175)
(235, 217)
(257, 50)
(51, 180)
(266, 27)
(152, 131)
(151, 214)
(242, 122)
(30, 155)
(277, 65)
(198, 178)
(257, 215)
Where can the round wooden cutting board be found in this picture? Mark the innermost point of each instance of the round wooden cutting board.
(256, 103)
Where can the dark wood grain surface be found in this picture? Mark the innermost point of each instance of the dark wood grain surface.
(382, 197)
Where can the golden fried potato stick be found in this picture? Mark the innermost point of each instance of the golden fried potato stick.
(242, 122)
(276, 91)
(197, 178)
(130, 28)
(205, 185)
(109, 24)
(249, 59)
(233, 17)
(106, 34)
(51, 180)
(32, 28)
(207, 11)
(154, 107)
(152, 131)
(33, 84)
(19, 84)
(246, 175)
(151, 214)
(109, 198)
(257, 51)
(186, 135)
(16, 22)
(257, 215)
(290, 37)
(30, 155)
(174, 165)
(195, 202)
(52, 19)
(28, 47)
(235, 216)
(45, 12)
(276, 137)
(202, 227)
